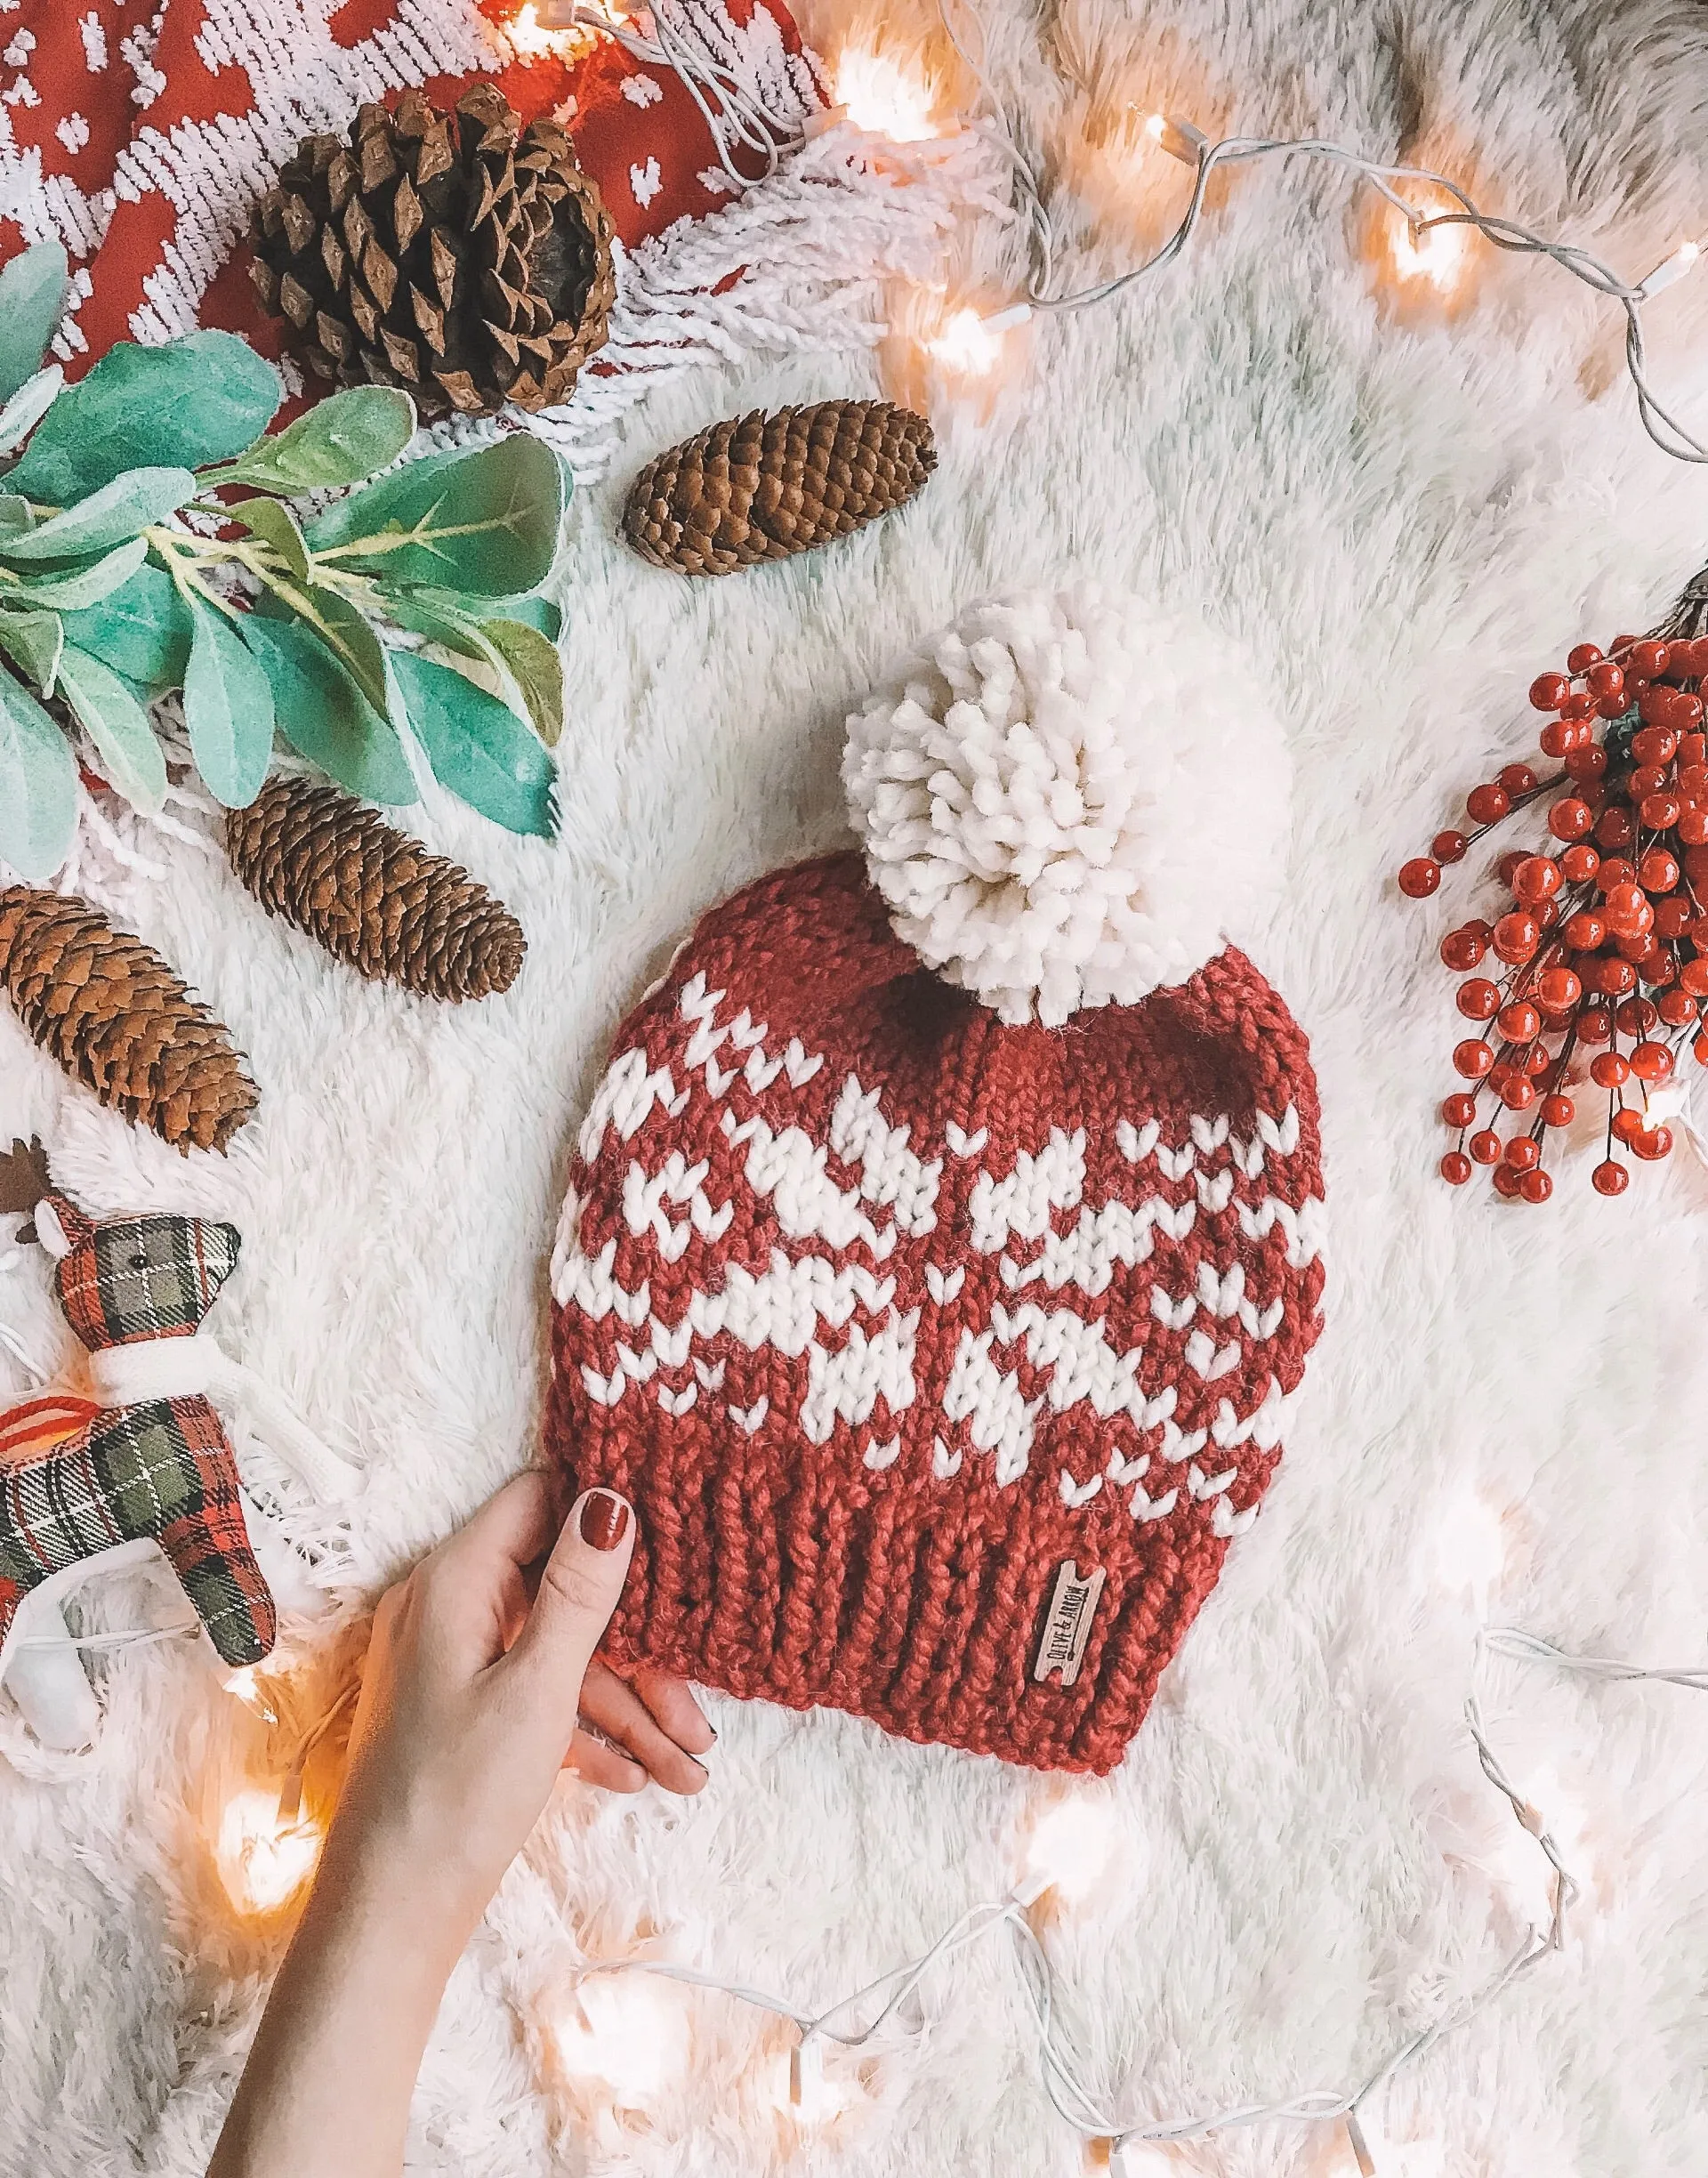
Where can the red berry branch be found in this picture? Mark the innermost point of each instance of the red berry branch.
(1599, 967)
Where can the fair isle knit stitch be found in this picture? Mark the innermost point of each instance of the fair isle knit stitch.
(883, 1312)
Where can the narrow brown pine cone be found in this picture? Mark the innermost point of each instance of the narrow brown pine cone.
(763, 488)
(458, 254)
(113, 1015)
(373, 897)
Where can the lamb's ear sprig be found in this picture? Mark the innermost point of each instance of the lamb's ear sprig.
(126, 575)
(1066, 799)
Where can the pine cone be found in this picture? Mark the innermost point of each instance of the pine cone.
(458, 254)
(374, 898)
(115, 1016)
(761, 488)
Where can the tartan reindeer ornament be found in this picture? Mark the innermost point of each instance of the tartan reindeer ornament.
(146, 1465)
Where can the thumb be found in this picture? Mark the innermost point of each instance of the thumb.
(578, 1589)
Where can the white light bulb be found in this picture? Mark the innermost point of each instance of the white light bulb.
(527, 35)
(803, 2091)
(262, 1861)
(244, 1686)
(1438, 254)
(629, 2030)
(885, 98)
(1069, 1848)
(972, 345)
(1397, 2158)
(1144, 2159)
(1181, 139)
(1670, 269)
(1472, 1545)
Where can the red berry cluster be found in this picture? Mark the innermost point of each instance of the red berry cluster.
(1603, 954)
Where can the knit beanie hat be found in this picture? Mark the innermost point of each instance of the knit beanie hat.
(941, 1251)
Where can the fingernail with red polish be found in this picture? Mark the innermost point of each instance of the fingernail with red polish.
(604, 1520)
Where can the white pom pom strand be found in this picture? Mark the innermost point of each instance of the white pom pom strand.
(1067, 798)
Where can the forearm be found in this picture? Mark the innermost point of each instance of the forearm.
(470, 1705)
(329, 2078)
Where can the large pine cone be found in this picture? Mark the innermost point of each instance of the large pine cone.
(458, 254)
(761, 488)
(115, 1016)
(374, 898)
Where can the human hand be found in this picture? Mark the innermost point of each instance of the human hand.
(475, 1684)
(479, 1688)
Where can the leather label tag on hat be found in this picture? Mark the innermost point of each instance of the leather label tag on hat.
(1067, 1623)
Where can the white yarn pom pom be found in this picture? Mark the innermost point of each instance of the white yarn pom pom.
(1066, 798)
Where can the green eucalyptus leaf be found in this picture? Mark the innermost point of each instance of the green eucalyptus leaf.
(536, 667)
(228, 709)
(273, 523)
(325, 716)
(16, 514)
(343, 439)
(453, 629)
(35, 640)
(478, 747)
(117, 511)
(525, 668)
(32, 302)
(117, 723)
(198, 400)
(392, 496)
(38, 787)
(538, 612)
(535, 612)
(484, 520)
(341, 627)
(141, 629)
(73, 585)
(28, 406)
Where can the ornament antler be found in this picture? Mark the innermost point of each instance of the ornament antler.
(23, 1181)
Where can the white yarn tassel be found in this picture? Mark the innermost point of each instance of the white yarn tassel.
(184, 1368)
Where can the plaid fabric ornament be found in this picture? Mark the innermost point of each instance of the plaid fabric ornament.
(161, 1470)
(150, 1463)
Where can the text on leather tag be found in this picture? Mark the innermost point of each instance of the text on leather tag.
(1067, 1623)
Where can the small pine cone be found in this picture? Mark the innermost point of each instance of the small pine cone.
(373, 897)
(763, 488)
(115, 1016)
(460, 255)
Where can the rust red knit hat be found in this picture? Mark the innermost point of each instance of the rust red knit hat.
(942, 1354)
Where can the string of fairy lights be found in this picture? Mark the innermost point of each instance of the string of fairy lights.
(266, 1846)
(1435, 211)
(1065, 1857)
(1183, 141)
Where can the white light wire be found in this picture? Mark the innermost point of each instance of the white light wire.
(1075, 2102)
(732, 111)
(1190, 145)
(130, 1637)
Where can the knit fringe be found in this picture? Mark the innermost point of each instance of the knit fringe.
(798, 265)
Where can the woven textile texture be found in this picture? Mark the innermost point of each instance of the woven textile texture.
(140, 131)
(161, 1468)
(882, 1312)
